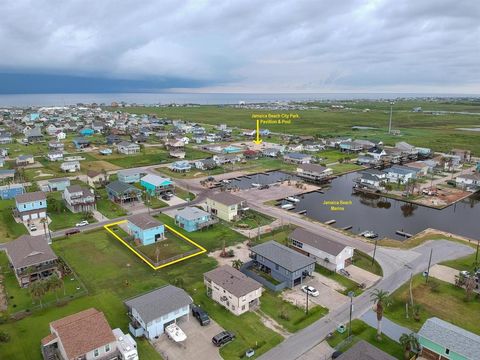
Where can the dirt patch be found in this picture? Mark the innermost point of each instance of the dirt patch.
(100, 165)
(272, 324)
(241, 252)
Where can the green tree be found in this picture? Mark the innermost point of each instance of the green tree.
(381, 300)
(409, 342)
(38, 290)
(237, 264)
(54, 283)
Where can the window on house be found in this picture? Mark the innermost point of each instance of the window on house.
(276, 267)
(107, 348)
(243, 307)
(95, 352)
(447, 351)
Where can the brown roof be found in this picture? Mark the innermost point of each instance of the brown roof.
(364, 351)
(225, 198)
(312, 167)
(77, 188)
(29, 250)
(319, 242)
(92, 173)
(31, 196)
(83, 332)
(144, 221)
(48, 339)
(232, 280)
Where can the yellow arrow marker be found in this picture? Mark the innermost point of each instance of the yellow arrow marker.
(258, 140)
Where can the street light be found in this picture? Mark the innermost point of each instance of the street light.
(351, 294)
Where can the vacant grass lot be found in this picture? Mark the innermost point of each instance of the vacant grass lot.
(361, 331)
(172, 246)
(292, 318)
(342, 280)
(465, 263)
(364, 261)
(441, 299)
(212, 238)
(108, 208)
(345, 167)
(9, 229)
(254, 219)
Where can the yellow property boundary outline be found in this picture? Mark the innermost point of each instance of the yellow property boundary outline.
(144, 259)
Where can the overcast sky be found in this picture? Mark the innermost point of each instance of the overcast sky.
(242, 46)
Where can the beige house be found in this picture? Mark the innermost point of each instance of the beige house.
(226, 206)
(233, 289)
(95, 178)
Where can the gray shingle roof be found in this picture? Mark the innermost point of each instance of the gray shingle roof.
(144, 221)
(364, 351)
(225, 198)
(312, 167)
(191, 213)
(29, 250)
(318, 242)
(121, 188)
(29, 197)
(283, 256)
(232, 280)
(451, 337)
(159, 302)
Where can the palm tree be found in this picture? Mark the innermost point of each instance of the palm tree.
(382, 300)
(37, 290)
(409, 342)
(237, 264)
(53, 284)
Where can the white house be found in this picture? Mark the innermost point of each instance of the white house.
(128, 148)
(70, 166)
(327, 253)
(469, 181)
(232, 289)
(151, 312)
(61, 135)
(401, 174)
(376, 153)
(313, 172)
(55, 155)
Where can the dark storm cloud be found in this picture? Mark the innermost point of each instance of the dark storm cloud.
(248, 45)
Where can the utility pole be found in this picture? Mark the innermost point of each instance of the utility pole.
(429, 263)
(374, 252)
(476, 255)
(306, 307)
(390, 122)
(351, 294)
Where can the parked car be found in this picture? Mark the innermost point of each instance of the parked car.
(32, 227)
(344, 272)
(223, 338)
(201, 315)
(310, 290)
(249, 353)
(82, 223)
(166, 197)
(72, 232)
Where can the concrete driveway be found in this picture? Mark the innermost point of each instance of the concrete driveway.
(198, 345)
(328, 297)
(444, 273)
(361, 276)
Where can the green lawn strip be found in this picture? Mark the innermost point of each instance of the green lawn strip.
(254, 219)
(280, 235)
(155, 203)
(184, 194)
(437, 298)
(9, 229)
(345, 167)
(108, 208)
(362, 331)
(172, 246)
(291, 317)
(129, 161)
(248, 329)
(212, 238)
(364, 262)
(465, 263)
(194, 173)
(342, 280)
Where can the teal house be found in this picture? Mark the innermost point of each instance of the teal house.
(441, 340)
(87, 132)
(156, 185)
(193, 219)
(145, 229)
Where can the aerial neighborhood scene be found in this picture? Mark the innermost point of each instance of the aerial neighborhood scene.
(198, 181)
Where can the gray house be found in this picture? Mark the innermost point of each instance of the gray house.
(282, 263)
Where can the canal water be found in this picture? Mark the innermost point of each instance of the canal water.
(266, 178)
(385, 216)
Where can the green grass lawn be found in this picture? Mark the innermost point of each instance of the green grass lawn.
(184, 194)
(464, 263)
(108, 208)
(172, 246)
(253, 219)
(345, 167)
(194, 173)
(342, 280)
(362, 331)
(364, 261)
(211, 238)
(155, 203)
(9, 229)
(443, 300)
(291, 318)
(64, 218)
(280, 235)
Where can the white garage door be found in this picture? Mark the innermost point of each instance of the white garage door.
(42, 215)
(34, 216)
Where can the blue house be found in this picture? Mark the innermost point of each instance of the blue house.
(156, 185)
(31, 206)
(282, 263)
(87, 132)
(81, 143)
(129, 176)
(146, 229)
(10, 191)
(58, 184)
(152, 312)
(193, 219)
(180, 166)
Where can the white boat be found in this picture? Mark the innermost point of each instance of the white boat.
(293, 199)
(256, 185)
(369, 234)
(287, 206)
(175, 333)
(225, 181)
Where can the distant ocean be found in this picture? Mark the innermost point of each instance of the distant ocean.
(22, 100)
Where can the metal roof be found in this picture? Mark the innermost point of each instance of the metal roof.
(282, 256)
